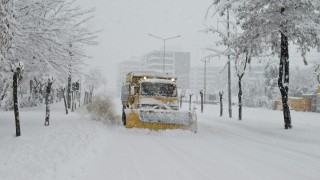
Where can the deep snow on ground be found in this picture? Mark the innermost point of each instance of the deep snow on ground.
(75, 147)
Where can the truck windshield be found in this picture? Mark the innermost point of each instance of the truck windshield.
(158, 89)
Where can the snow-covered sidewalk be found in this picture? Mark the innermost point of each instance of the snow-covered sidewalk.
(74, 147)
(45, 152)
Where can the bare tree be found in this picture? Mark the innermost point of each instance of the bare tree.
(241, 65)
(17, 69)
(62, 91)
(49, 82)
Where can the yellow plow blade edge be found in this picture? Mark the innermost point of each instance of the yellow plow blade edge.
(157, 119)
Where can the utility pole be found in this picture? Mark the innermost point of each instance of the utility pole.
(164, 47)
(229, 68)
(205, 60)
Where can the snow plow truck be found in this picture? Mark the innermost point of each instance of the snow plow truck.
(150, 101)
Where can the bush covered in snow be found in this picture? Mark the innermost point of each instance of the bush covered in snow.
(102, 109)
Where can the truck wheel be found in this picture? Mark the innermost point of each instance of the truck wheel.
(124, 122)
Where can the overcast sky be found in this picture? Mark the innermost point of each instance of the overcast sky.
(127, 23)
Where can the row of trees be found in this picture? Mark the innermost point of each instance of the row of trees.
(41, 45)
(267, 28)
(263, 92)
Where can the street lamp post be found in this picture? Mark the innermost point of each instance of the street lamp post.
(205, 60)
(229, 67)
(164, 46)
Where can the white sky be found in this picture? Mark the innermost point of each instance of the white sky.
(127, 23)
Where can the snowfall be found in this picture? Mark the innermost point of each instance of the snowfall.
(76, 147)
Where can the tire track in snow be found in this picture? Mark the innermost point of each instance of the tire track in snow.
(153, 163)
(266, 142)
(272, 154)
(200, 173)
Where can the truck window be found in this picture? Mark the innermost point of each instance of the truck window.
(158, 89)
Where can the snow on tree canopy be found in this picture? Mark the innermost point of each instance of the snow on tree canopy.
(49, 37)
(6, 27)
(17, 66)
(263, 21)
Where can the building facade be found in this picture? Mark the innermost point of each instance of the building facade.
(175, 63)
(216, 79)
(255, 73)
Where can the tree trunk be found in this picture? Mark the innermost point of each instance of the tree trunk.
(229, 91)
(69, 92)
(240, 100)
(41, 94)
(79, 95)
(91, 95)
(87, 98)
(47, 101)
(221, 104)
(3, 93)
(283, 80)
(15, 101)
(201, 94)
(65, 101)
(31, 87)
(190, 102)
(229, 69)
(72, 101)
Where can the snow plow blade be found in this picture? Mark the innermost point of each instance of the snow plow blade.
(157, 119)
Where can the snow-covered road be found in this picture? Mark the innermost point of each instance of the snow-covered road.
(73, 147)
